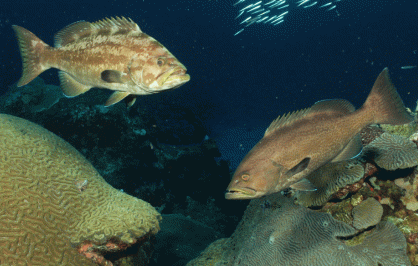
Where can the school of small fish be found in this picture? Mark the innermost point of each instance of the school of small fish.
(274, 11)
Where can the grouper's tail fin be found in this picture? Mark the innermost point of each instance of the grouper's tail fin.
(32, 49)
(384, 103)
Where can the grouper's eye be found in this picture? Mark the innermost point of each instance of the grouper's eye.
(161, 61)
(245, 177)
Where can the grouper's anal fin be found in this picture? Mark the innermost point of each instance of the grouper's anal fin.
(116, 97)
(71, 87)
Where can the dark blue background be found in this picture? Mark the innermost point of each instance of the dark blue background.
(240, 84)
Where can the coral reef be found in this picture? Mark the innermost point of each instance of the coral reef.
(368, 213)
(143, 150)
(328, 179)
(393, 152)
(36, 97)
(57, 208)
(409, 199)
(376, 193)
(405, 130)
(275, 231)
(370, 133)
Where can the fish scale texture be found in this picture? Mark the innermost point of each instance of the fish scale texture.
(53, 199)
(282, 233)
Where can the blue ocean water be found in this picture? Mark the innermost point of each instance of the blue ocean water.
(243, 82)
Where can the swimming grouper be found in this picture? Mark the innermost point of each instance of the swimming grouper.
(298, 143)
(112, 54)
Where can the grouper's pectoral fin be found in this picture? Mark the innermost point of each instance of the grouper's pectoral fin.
(302, 165)
(114, 76)
(130, 100)
(71, 87)
(116, 97)
(303, 185)
(350, 151)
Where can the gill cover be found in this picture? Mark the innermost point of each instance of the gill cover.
(136, 72)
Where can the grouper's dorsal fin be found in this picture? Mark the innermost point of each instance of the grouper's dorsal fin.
(285, 119)
(72, 32)
(106, 27)
(334, 106)
(118, 25)
(329, 107)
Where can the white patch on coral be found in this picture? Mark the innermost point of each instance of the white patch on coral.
(411, 191)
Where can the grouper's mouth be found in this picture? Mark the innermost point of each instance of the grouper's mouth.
(241, 193)
(173, 77)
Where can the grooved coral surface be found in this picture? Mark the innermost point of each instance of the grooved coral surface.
(367, 213)
(275, 231)
(328, 179)
(392, 152)
(53, 201)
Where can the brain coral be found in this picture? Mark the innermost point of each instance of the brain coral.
(367, 213)
(275, 231)
(55, 205)
(328, 179)
(393, 152)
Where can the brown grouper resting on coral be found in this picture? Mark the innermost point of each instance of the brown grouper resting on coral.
(296, 144)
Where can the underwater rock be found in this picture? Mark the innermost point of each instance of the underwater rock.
(57, 208)
(328, 179)
(405, 130)
(411, 191)
(32, 98)
(275, 231)
(392, 152)
(212, 253)
(370, 133)
(367, 213)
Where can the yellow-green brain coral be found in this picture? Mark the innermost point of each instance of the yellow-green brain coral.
(53, 201)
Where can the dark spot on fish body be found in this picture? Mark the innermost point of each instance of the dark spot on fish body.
(122, 32)
(111, 76)
(104, 31)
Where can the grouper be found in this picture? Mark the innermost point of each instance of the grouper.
(112, 53)
(298, 143)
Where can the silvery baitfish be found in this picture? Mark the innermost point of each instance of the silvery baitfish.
(112, 54)
(298, 143)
